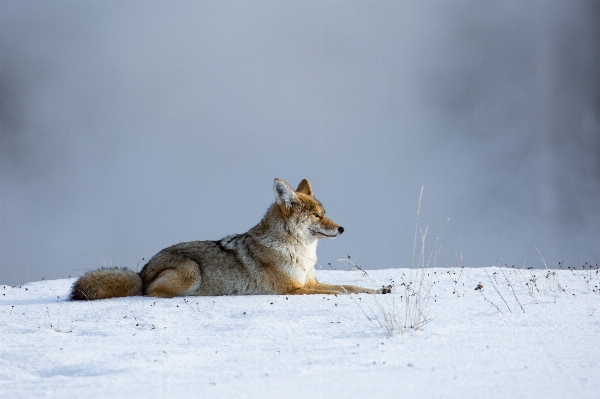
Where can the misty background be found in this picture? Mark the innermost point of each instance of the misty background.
(126, 127)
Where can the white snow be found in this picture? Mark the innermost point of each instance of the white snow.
(311, 346)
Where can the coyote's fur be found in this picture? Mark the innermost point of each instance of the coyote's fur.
(277, 256)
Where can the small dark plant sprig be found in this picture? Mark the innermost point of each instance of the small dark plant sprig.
(509, 283)
(496, 288)
(352, 265)
(480, 289)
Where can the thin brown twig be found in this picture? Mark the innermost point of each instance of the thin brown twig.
(493, 304)
(512, 289)
(494, 285)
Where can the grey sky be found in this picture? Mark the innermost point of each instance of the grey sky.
(130, 126)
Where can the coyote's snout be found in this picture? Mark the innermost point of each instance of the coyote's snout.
(277, 256)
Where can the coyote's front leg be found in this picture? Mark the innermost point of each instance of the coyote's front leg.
(319, 288)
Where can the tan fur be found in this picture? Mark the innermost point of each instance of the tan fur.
(179, 281)
(277, 256)
(107, 283)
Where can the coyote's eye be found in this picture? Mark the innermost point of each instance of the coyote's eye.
(317, 215)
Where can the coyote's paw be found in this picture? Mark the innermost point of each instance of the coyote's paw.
(386, 290)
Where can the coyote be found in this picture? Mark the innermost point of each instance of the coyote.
(277, 256)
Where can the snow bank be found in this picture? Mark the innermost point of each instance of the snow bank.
(537, 337)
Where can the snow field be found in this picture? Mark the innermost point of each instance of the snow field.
(476, 344)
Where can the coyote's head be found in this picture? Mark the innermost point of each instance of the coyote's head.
(303, 213)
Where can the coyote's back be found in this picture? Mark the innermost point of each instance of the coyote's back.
(277, 256)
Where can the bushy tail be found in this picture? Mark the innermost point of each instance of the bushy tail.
(107, 282)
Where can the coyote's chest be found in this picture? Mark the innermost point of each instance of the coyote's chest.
(300, 263)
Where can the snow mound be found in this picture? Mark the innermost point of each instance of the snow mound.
(526, 333)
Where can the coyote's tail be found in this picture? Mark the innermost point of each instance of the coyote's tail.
(107, 282)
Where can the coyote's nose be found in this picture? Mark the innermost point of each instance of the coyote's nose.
(341, 229)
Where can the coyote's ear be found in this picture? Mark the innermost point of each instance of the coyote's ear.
(305, 188)
(285, 195)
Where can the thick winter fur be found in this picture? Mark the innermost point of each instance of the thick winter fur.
(277, 256)
(108, 282)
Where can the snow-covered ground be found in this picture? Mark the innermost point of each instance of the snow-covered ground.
(477, 343)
